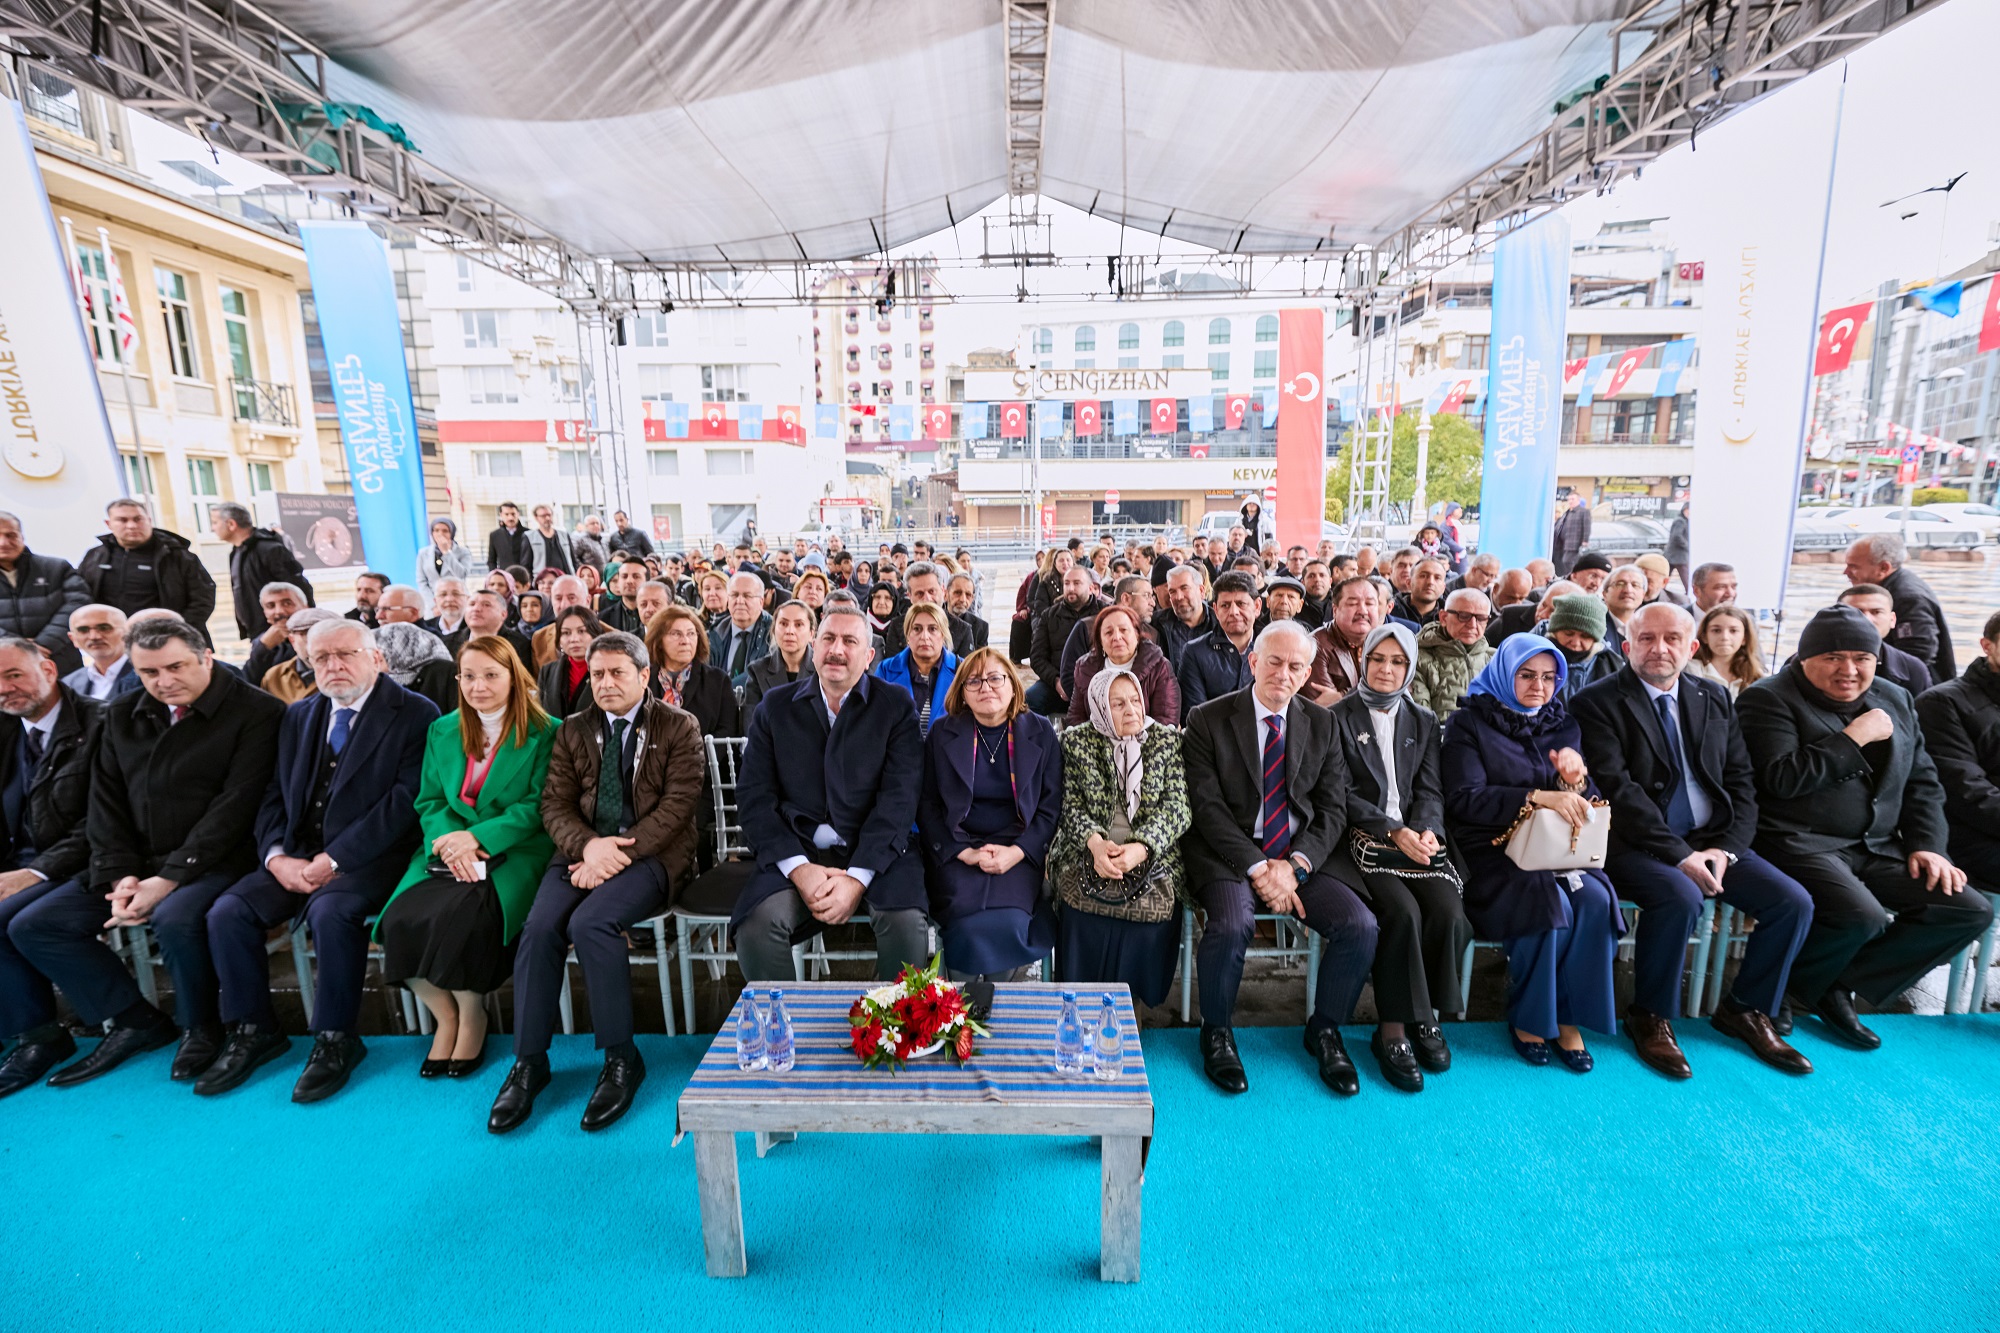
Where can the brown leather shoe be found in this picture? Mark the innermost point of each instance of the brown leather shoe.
(1654, 1037)
(1755, 1031)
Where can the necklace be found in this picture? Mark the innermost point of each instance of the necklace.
(992, 752)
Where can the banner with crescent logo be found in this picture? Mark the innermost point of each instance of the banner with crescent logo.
(787, 425)
(1989, 323)
(1013, 421)
(1517, 486)
(1089, 416)
(58, 459)
(937, 421)
(1838, 333)
(1234, 409)
(1628, 366)
(1165, 416)
(1760, 322)
(1301, 399)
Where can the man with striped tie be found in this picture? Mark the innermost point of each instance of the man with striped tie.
(1269, 787)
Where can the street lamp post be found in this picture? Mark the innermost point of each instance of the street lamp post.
(1420, 497)
(1917, 429)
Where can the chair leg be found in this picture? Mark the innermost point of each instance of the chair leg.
(1704, 939)
(1312, 972)
(567, 1004)
(663, 975)
(1187, 961)
(1954, 982)
(411, 1021)
(1725, 928)
(1465, 981)
(686, 933)
(142, 963)
(1976, 1001)
(302, 965)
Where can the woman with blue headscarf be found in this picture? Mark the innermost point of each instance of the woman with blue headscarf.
(1395, 858)
(1510, 748)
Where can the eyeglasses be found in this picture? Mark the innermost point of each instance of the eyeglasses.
(993, 682)
(1472, 616)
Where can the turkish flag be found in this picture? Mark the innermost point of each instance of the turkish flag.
(1234, 408)
(937, 421)
(1837, 333)
(1571, 369)
(1089, 416)
(1454, 401)
(1301, 467)
(1013, 421)
(1199, 449)
(1165, 415)
(787, 425)
(1989, 323)
(1628, 366)
(714, 421)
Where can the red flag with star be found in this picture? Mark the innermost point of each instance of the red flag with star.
(1234, 408)
(1165, 415)
(1628, 366)
(1014, 421)
(714, 421)
(1089, 416)
(937, 421)
(1837, 335)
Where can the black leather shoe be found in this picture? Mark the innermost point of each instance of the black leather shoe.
(199, 1048)
(31, 1061)
(612, 1097)
(248, 1049)
(1220, 1061)
(1398, 1060)
(1432, 1053)
(517, 1097)
(118, 1046)
(1836, 1010)
(1336, 1070)
(334, 1055)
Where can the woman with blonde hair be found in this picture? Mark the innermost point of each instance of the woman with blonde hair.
(448, 931)
(1726, 648)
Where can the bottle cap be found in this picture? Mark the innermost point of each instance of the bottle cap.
(777, 994)
(1069, 997)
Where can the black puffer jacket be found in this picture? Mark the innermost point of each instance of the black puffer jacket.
(186, 587)
(38, 601)
(263, 559)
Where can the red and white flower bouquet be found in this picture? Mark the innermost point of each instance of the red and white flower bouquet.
(916, 1015)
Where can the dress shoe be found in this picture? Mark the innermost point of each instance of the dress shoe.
(1398, 1060)
(616, 1086)
(1535, 1053)
(1432, 1053)
(1654, 1037)
(248, 1049)
(334, 1055)
(465, 1068)
(200, 1045)
(118, 1046)
(1781, 1022)
(1754, 1030)
(1836, 1010)
(517, 1096)
(1220, 1061)
(433, 1068)
(31, 1061)
(1578, 1061)
(1336, 1070)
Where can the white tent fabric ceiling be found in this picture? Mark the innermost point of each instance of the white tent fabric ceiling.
(781, 130)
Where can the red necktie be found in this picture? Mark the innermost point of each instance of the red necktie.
(178, 711)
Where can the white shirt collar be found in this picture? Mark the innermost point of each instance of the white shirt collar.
(1653, 692)
(630, 715)
(1263, 712)
(47, 726)
(90, 666)
(356, 706)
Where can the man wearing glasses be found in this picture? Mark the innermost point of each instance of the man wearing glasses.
(335, 833)
(98, 631)
(1451, 650)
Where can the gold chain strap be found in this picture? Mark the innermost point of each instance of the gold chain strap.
(1528, 809)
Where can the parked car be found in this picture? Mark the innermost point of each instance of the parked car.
(1630, 537)
(1983, 519)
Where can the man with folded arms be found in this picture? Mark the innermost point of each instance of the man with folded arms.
(1849, 804)
(1269, 789)
(624, 779)
(48, 737)
(180, 774)
(831, 774)
(334, 836)
(1667, 752)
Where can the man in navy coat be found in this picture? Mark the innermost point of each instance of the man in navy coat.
(828, 794)
(334, 836)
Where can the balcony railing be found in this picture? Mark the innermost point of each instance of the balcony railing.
(1180, 446)
(1661, 440)
(265, 403)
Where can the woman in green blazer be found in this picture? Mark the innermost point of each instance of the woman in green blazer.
(448, 931)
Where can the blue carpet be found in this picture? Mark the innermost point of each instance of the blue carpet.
(1502, 1197)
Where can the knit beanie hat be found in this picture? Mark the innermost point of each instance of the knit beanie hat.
(1838, 629)
(1580, 611)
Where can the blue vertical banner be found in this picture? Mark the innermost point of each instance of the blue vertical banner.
(1586, 385)
(749, 421)
(1201, 413)
(972, 418)
(826, 421)
(1675, 358)
(1517, 491)
(674, 420)
(902, 422)
(1125, 416)
(355, 294)
(1049, 419)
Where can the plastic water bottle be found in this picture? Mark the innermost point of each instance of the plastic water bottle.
(1108, 1056)
(778, 1044)
(1069, 1037)
(751, 1052)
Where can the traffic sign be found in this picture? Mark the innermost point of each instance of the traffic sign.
(1111, 502)
(1270, 496)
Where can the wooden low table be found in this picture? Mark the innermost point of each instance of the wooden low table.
(1009, 1087)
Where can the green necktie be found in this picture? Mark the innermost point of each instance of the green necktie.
(611, 781)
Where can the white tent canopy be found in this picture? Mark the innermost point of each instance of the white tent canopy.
(782, 130)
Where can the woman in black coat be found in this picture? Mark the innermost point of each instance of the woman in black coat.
(678, 645)
(1509, 748)
(993, 781)
(1395, 858)
(564, 684)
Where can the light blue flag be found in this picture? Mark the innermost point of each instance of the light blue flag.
(902, 421)
(1517, 478)
(1048, 418)
(361, 327)
(1593, 371)
(826, 420)
(1437, 394)
(674, 420)
(1125, 416)
(1270, 407)
(1942, 297)
(1345, 396)
(749, 421)
(1201, 413)
(1674, 359)
(972, 421)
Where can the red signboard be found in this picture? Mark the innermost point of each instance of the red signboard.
(1690, 272)
(1300, 495)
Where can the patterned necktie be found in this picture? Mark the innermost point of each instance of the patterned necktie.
(611, 781)
(35, 749)
(343, 722)
(1277, 839)
(1680, 810)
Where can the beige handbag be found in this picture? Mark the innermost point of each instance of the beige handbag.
(1541, 839)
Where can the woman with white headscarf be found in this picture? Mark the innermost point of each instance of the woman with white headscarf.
(1395, 858)
(417, 660)
(1117, 856)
